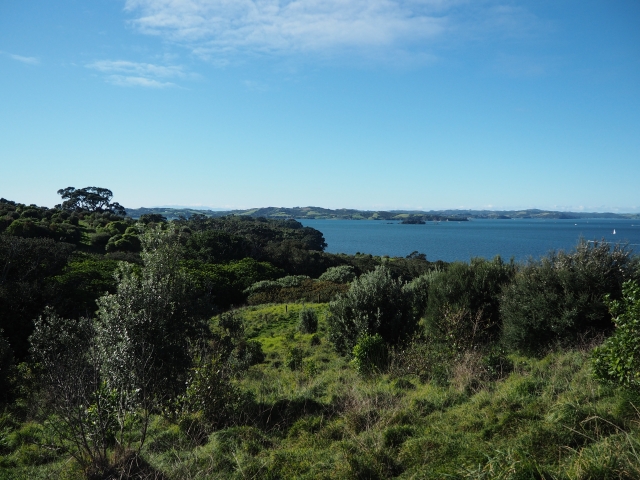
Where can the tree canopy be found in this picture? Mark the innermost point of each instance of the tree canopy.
(92, 199)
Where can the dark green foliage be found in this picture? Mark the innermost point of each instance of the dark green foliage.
(125, 243)
(308, 321)
(370, 354)
(230, 345)
(63, 226)
(618, 359)
(117, 227)
(418, 291)
(284, 243)
(406, 268)
(260, 232)
(91, 199)
(148, 218)
(560, 299)
(225, 284)
(211, 397)
(295, 257)
(463, 301)
(294, 358)
(84, 279)
(308, 290)
(28, 228)
(213, 246)
(375, 303)
(25, 266)
(99, 240)
(7, 371)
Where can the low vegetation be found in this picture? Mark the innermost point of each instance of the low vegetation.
(237, 348)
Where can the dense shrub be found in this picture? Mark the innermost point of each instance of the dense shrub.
(84, 279)
(309, 290)
(99, 240)
(231, 346)
(211, 401)
(561, 298)
(226, 284)
(308, 321)
(126, 242)
(294, 358)
(272, 285)
(418, 291)
(618, 359)
(340, 274)
(213, 246)
(463, 300)
(370, 354)
(374, 303)
(26, 264)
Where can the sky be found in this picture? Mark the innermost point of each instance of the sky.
(368, 104)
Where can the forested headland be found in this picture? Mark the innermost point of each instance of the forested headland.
(234, 346)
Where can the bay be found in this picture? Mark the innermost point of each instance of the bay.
(451, 241)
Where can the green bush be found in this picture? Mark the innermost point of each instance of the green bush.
(115, 228)
(99, 240)
(308, 321)
(126, 242)
(560, 299)
(418, 291)
(618, 359)
(246, 354)
(370, 354)
(228, 283)
(375, 303)
(463, 302)
(294, 358)
(340, 274)
(211, 395)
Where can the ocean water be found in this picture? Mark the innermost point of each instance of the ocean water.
(451, 241)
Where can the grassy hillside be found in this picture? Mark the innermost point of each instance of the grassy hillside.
(533, 418)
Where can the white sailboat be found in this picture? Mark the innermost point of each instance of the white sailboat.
(614, 231)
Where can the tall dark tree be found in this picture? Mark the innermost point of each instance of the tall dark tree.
(91, 199)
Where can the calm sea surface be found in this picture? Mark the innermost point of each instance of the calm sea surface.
(451, 241)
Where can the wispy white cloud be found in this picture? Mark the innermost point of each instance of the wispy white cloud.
(20, 58)
(134, 68)
(288, 25)
(219, 27)
(124, 81)
(134, 74)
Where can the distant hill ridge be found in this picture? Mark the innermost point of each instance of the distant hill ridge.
(352, 214)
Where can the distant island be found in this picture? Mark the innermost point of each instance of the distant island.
(404, 216)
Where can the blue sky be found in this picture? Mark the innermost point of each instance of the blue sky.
(371, 104)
